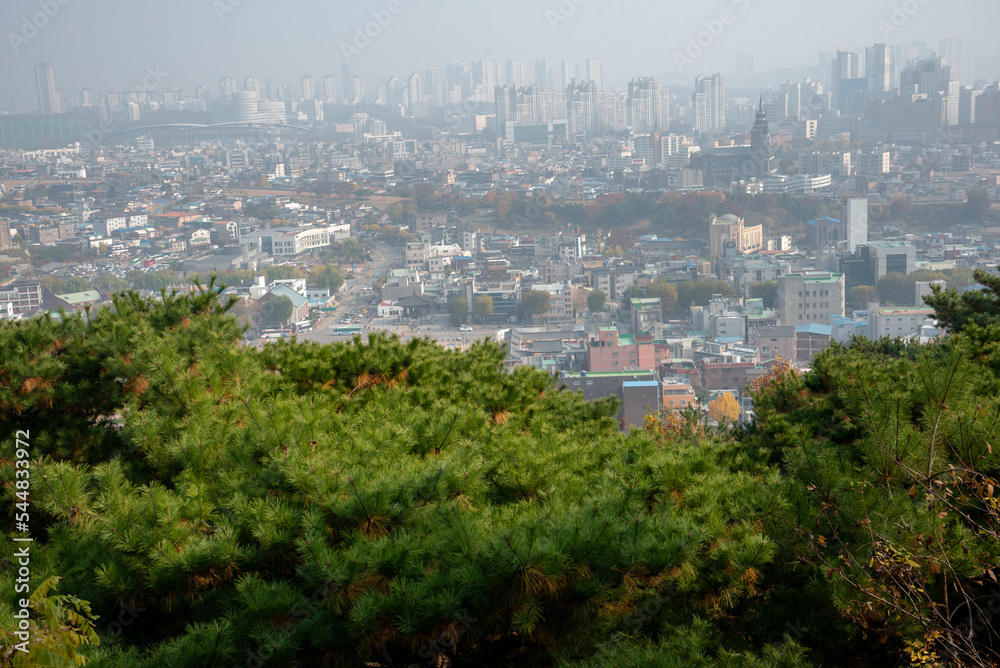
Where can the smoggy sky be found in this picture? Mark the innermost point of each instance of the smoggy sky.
(111, 43)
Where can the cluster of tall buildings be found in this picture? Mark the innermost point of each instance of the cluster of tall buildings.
(588, 109)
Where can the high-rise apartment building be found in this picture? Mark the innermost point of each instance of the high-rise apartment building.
(848, 71)
(855, 217)
(648, 106)
(48, 96)
(357, 89)
(308, 88)
(932, 77)
(568, 73)
(595, 72)
(331, 93)
(957, 52)
(880, 66)
(709, 104)
(516, 73)
(545, 75)
(227, 87)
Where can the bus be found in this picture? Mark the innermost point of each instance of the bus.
(346, 330)
(272, 334)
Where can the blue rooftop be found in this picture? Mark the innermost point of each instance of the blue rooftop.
(825, 218)
(815, 328)
(640, 383)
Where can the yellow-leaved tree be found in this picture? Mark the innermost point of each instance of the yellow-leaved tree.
(724, 409)
(59, 626)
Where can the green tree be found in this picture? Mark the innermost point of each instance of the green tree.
(859, 297)
(458, 310)
(960, 278)
(596, 301)
(699, 293)
(536, 302)
(352, 251)
(276, 310)
(76, 284)
(326, 277)
(323, 187)
(880, 469)
(109, 283)
(263, 183)
(896, 289)
(283, 272)
(978, 204)
(665, 292)
(153, 281)
(977, 311)
(54, 284)
(483, 305)
(766, 291)
(363, 501)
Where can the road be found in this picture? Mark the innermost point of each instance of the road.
(358, 295)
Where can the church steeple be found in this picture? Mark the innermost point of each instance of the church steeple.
(760, 142)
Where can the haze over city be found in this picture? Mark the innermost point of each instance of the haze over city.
(199, 41)
(527, 334)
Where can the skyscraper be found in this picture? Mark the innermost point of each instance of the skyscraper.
(933, 77)
(357, 89)
(544, 75)
(855, 217)
(308, 88)
(227, 86)
(847, 69)
(347, 89)
(595, 72)
(568, 72)
(709, 104)
(648, 105)
(330, 91)
(880, 65)
(516, 74)
(48, 96)
(506, 97)
(957, 52)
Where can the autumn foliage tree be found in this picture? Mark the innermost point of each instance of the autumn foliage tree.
(724, 409)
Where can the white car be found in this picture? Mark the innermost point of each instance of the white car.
(465, 328)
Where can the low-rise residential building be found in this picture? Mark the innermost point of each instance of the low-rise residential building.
(810, 298)
(638, 391)
(612, 351)
(810, 340)
(678, 396)
(646, 314)
(896, 321)
(25, 296)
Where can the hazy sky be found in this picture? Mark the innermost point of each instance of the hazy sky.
(111, 43)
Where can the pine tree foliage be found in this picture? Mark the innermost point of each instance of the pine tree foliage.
(374, 502)
(888, 466)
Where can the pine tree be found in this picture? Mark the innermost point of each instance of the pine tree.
(372, 501)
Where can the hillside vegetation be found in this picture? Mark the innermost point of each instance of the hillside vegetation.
(380, 503)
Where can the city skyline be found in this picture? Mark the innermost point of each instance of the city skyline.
(673, 44)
